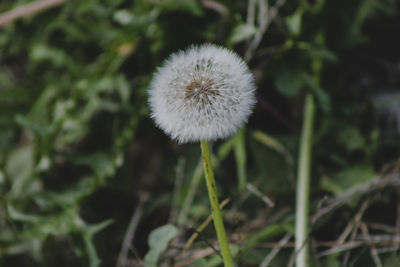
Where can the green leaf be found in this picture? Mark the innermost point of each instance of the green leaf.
(274, 144)
(272, 167)
(73, 129)
(293, 22)
(24, 122)
(58, 57)
(41, 109)
(321, 96)
(200, 263)
(351, 137)
(367, 9)
(392, 260)
(265, 234)
(158, 243)
(16, 215)
(191, 6)
(19, 168)
(123, 17)
(225, 148)
(241, 33)
(102, 164)
(88, 234)
(348, 177)
(317, 51)
(289, 81)
(332, 261)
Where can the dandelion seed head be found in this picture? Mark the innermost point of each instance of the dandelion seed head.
(205, 92)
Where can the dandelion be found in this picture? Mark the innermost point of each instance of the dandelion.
(201, 94)
(204, 93)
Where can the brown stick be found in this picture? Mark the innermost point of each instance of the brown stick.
(373, 251)
(265, 17)
(267, 260)
(378, 183)
(193, 237)
(27, 10)
(130, 233)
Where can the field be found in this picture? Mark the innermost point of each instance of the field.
(88, 179)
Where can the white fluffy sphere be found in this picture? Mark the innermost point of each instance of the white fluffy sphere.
(206, 92)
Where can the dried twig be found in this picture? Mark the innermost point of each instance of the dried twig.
(382, 227)
(342, 247)
(258, 193)
(363, 240)
(373, 251)
(28, 10)
(351, 227)
(380, 239)
(196, 234)
(267, 260)
(130, 232)
(198, 172)
(292, 258)
(177, 188)
(394, 248)
(264, 19)
(251, 8)
(346, 257)
(197, 254)
(355, 223)
(376, 184)
(217, 7)
(397, 227)
(360, 240)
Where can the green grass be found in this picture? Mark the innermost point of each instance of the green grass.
(79, 152)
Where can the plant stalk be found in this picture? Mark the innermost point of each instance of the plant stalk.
(303, 184)
(215, 210)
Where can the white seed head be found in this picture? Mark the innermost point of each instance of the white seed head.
(206, 92)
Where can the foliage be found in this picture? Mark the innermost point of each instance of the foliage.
(78, 149)
(158, 243)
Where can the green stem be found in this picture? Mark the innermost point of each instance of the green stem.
(215, 211)
(303, 184)
(240, 156)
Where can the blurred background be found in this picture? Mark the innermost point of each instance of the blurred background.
(86, 179)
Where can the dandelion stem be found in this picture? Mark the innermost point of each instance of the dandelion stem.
(303, 184)
(215, 210)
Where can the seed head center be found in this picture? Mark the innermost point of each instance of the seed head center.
(201, 90)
